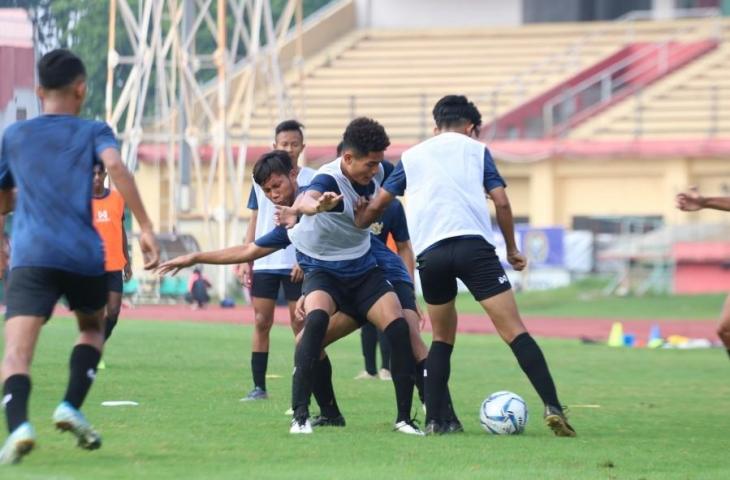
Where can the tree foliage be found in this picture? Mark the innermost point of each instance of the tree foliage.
(82, 26)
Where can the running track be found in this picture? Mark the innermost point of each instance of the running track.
(594, 328)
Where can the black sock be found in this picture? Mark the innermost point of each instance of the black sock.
(306, 357)
(111, 322)
(401, 367)
(384, 350)
(420, 367)
(16, 392)
(447, 407)
(84, 359)
(533, 363)
(259, 362)
(369, 340)
(728, 352)
(323, 390)
(438, 370)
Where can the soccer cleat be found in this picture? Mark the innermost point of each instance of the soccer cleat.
(257, 393)
(409, 427)
(322, 421)
(557, 421)
(18, 444)
(453, 426)
(434, 428)
(300, 426)
(69, 419)
(364, 375)
(289, 412)
(384, 374)
(102, 365)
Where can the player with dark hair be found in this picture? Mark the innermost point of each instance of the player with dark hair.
(446, 178)
(108, 215)
(280, 270)
(692, 201)
(56, 250)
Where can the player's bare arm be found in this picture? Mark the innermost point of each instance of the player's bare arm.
(691, 201)
(226, 256)
(310, 203)
(507, 226)
(124, 183)
(367, 212)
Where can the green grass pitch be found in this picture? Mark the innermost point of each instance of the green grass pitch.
(662, 415)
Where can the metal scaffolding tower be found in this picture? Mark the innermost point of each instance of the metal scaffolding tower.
(176, 92)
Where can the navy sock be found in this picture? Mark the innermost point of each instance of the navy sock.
(401, 367)
(16, 392)
(259, 362)
(438, 370)
(533, 363)
(369, 340)
(306, 357)
(323, 389)
(82, 366)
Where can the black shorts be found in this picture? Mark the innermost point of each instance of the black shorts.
(34, 291)
(472, 260)
(406, 295)
(115, 281)
(266, 285)
(354, 296)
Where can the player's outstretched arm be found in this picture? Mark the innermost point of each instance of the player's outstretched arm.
(124, 183)
(691, 201)
(226, 256)
(310, 203)
(507, 226)
(367, 212)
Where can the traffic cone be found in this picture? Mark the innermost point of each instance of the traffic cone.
(616, 337)
(655, 337)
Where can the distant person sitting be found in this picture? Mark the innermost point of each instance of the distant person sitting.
(198, 289)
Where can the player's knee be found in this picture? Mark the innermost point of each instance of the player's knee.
(263, 322)
(397, 332)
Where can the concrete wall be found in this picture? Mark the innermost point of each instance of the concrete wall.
(437, 13)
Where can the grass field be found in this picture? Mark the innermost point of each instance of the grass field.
(585, 299)
(662, 414)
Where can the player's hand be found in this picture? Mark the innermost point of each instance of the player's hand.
(517, 260)
(360, 207)
(297, 274)
(176, 264)
(299, 313)
(127, 272)
(245, 274)
(150, 249)
(285, 216)
(689, 201)
(327, 201)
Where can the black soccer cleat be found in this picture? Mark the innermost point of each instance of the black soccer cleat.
(556, 420)
(434, 428)
(322, 421)
(453, 426)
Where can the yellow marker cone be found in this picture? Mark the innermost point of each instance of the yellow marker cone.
(616, 337)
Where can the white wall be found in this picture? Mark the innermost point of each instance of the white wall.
(22, 98)
(438, 13)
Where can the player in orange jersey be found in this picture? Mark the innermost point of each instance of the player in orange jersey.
(108, 215)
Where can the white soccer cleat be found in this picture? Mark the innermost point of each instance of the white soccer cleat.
(299, 426)
(364, 375)
(289, 412)
(408, 427)
(18, 444)
(68, 419)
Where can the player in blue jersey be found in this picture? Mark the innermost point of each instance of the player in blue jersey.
(278, 239)
(447, 178)
(46, 169)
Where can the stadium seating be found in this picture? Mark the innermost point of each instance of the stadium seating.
(397, 75)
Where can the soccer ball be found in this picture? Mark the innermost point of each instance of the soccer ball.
(503, 413)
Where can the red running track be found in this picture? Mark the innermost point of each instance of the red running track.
(559, 327)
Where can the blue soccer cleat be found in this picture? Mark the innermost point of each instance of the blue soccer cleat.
(18, 444)
(68, 419)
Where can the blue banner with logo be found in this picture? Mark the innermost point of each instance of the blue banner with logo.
(543, 247)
